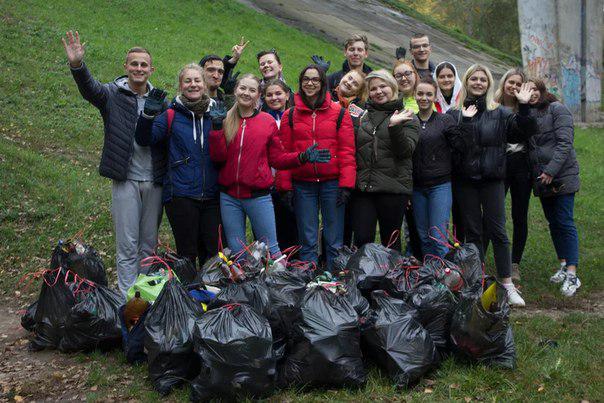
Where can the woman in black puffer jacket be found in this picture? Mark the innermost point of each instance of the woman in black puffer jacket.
(385, 138)
(482, 169)
(556, 180)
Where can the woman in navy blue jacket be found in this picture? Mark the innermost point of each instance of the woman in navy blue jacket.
(190, 192)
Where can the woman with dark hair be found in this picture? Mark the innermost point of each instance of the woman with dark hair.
(246, 143)
(556, 180)
(518, 178)
(317, 120)
(482, 165)
(448, 86)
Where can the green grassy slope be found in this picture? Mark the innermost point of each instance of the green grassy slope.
(50, 143)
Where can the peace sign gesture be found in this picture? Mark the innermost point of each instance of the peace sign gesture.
(237, 49)
(399, 117)
(74, 49)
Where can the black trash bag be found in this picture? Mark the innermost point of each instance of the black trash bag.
(356, 299)
(397, 342)
(325, 347)
(54, 303)
(442, 271)
(234, 345)
(183, 267)
(255, 257)
(483, 336)
(369, 265)
(212, 272)
(28, 321)
(434, 304)
(253, 292)
(467, 257)
(81, 259)
(399, 280)
(93, 322)
(133, 340)
(169, 329)
(341, 260)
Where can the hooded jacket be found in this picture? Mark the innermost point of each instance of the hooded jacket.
(191, 172)
(551, 151)
(384, 153)
(319, 127)
(248, 158)
(119, 110)
(441, 103)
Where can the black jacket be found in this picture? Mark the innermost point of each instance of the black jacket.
(551, 151)
(438, 137)
(384, 154)
(119, 110)
(334, 78)
(490, 131)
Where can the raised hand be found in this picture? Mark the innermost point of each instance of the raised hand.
(313, 154)
(154, 103)
(73, 48)
(400, 52)
(322, 63)
(238, 49)
(469, 112)
(217, 115)
(399, 117)
(524, 94)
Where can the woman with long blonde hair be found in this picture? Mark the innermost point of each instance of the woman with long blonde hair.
(481, 168)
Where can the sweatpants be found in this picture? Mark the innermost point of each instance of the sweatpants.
(486, 201)
(136, 208)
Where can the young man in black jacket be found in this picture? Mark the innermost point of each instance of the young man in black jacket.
(217, 71)
(356, 50)
(137, 172)
(420, 48)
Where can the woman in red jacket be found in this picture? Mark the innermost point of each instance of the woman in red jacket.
(246, 142)
(317, 120)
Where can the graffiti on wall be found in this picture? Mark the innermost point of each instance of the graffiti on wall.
(571, 82)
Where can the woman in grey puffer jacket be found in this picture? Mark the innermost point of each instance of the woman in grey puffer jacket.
(556, 180)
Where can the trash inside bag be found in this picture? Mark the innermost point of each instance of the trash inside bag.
(149, 285)
(481, 335)
(341, 260)
(442, 271)
(183, 267)
(397, 342)
(169, 329)
(81, 259)
(325, 347)
(369, 265)
(28, 321)
(400, 279)
(251, 292)
(133, 338)
(93, 322)
(234, 345)
(216, 270)
(467, 257)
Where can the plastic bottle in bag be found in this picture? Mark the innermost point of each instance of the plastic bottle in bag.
(452, 279)
(134, 310)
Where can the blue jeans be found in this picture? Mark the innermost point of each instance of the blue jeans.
(308, 197)
(262, 217)
(431, 208)
(559, 212)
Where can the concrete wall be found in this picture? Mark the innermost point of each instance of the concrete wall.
(562, 43)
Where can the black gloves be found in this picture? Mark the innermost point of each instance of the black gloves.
(287, 198)
(319, 61)
(154, 104)
(312, 154)
(343, 196)
(217, 114)
(400, 52)
(230, 83)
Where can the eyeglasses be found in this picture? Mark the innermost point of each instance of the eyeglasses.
(399, 76)
(314, 80)
(420, 46)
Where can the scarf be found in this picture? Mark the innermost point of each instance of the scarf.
(344, 101)
(198, 107)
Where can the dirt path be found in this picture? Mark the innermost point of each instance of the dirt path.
(386, 29)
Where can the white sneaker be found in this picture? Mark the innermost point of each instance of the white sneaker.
(570, 285)
(559, 276)
(514, 298)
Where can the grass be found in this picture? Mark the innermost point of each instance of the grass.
(50, 141)
(454, 33)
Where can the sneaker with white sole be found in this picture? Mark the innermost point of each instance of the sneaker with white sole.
(559, 276)
(514, 298)
(570, 285)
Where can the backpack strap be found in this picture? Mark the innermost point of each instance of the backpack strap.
(340, 117)
(170, 119)
(290, 118)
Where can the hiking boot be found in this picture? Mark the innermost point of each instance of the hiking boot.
(515, 272)
(559, 276)
(570, 285)
(514, 298)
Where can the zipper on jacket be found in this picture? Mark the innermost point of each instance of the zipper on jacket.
(203, 159)
(314, 141)
(239, 157)
(375, 156)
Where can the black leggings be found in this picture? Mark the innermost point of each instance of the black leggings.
(195, 227)
(368, 209)
(484, 202)
(518, 182)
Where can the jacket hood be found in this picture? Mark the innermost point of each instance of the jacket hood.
(122, 84)
(301, 106)
(440, 98)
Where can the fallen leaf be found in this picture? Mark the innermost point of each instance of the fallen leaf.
(94, 388)
(18, 398)
(467, 399)
(541, 388)
(428, 390)
(454, 386)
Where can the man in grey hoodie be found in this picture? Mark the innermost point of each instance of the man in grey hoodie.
(136, 171)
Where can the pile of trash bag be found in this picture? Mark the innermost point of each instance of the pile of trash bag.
(369, 264)
(81, 259)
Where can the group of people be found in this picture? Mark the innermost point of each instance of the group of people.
(401, 149)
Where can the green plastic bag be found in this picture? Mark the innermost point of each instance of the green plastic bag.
(150, 285)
